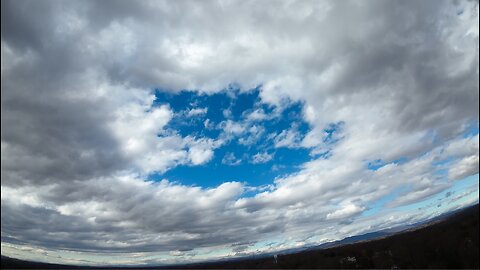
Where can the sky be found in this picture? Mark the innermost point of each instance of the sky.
(158, 132)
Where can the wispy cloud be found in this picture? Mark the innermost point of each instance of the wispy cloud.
(261, 158)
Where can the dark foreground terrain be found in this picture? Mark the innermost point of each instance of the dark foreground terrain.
(448, 242)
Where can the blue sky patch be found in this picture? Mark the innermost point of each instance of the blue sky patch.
(375, 164)
(268, 145)
(379, 204)
(471, 130)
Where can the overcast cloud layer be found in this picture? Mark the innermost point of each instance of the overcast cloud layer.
(80, 134)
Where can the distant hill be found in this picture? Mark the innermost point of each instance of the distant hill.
(447, 241)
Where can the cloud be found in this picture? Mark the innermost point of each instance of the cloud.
(463, 168)
(230, 160)
(253, 134)
(419, 194)
(261, 158)
(232, 128)
(346, 211)
(463, 147)
(257, 115)
(201, 151)
(197, 111)
(290, 138)
(81, 132)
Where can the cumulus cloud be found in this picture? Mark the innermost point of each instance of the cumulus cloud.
(81, 133)
(201, 150)
(261, 158)
(289, 138)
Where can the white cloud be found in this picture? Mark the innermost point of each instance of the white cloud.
(208, 124)
(289, 138)
(462, 147)
(200, 151)
(346, 211)
(420, 193)
(247, 132)
(231, 160)
(197, 111)
(463, 168)
(232, 128)
(261, 158)
(257, 115)
(252, 135)
(278, 91)
(227, 113)
(138, 129)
